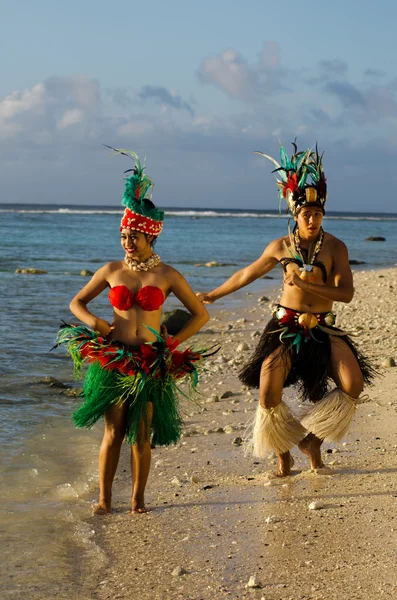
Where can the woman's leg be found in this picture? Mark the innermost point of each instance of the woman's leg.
(274, 372)
(347, 376)
(109, 454)
(141, 455)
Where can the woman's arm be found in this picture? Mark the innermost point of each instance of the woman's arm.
(342, 291)
(182, 290)
(97, 284)
(240, 279)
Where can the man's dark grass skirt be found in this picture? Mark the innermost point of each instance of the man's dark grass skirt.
(310, 368)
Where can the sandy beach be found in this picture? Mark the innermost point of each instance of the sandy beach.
(221, 520)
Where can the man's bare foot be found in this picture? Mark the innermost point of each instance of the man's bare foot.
(311, 446)
(102, 508)
(285, 463)
(138, 506)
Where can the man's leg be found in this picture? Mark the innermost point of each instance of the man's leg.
(347, 376)
(274, 422)
(345, 369)
(109, 455)
(141, 454)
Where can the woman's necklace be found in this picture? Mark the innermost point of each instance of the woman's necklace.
(145, 265)
(306, 256)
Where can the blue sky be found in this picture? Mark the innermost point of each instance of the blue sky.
(196, 87)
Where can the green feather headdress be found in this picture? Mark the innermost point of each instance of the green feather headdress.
(301, 178)
(136, 189)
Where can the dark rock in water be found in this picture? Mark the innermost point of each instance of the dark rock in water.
(52, 382)
(357, 262)
(375, 238)
(86, 273)
(174, 320)
(73, 392)
(30, 271)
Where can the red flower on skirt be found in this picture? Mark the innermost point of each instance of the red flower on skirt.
(148, 356)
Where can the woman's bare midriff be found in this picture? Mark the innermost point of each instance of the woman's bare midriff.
(129, 326)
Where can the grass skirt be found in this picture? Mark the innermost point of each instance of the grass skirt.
(119, 374)
(306, 353)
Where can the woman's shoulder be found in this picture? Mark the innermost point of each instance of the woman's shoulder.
(168, 270)
(111, 267)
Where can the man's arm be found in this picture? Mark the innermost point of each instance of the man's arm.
(342, 291)
(240, 279)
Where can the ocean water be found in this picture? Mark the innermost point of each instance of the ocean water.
(49, 469)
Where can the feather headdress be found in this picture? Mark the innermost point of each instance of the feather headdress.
(140, 213)
(301, 180)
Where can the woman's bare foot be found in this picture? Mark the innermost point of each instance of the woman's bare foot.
(311, 446)
(138, 506)
(285, 463)
(102, 508)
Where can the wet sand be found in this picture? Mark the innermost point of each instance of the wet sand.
(219, 518)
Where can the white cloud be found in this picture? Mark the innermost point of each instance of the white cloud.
(270, 56)
(76, 89)
(70, 117)
(230, 73)
(135, 128)
(38, 114)
(31, 100)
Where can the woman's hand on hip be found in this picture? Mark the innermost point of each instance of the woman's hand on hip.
(103, 327)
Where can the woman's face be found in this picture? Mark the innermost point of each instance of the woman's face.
(135, 243)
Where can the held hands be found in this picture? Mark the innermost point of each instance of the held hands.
(204, 297)
(103, 327)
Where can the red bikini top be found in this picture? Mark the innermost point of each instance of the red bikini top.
(147, 298)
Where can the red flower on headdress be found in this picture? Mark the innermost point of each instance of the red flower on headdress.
(291, 184)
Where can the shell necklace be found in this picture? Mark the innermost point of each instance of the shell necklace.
(145, 265)
(306, 256)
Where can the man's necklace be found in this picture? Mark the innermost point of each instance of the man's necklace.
(145, 265)
(306, 256)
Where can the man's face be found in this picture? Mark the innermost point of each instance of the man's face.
(309, 220)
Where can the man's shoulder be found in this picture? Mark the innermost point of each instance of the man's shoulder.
(278, 244)
(332, 241)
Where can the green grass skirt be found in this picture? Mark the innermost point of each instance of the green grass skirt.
(103, 390)
(118, 374)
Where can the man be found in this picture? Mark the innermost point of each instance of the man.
(300, 345)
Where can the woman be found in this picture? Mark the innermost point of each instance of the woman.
(131, 380)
